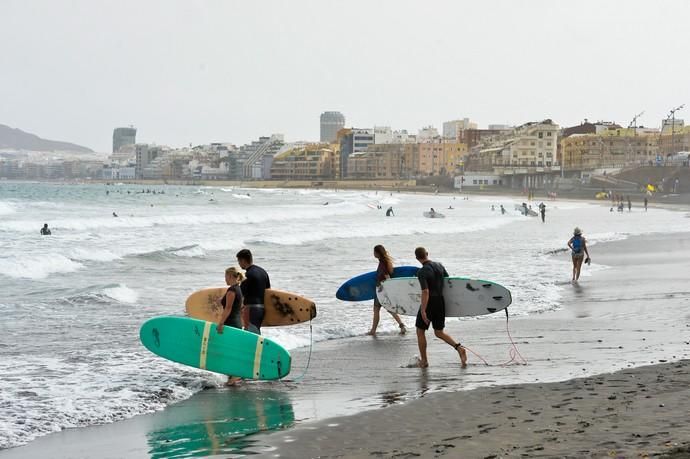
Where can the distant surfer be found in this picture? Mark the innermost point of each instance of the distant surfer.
(389, 212)
(433, 309)
(45, 231)
(450, 207)
(114, 214)
(232, 305)
(503, 210)
(253, 290)
(645, 204)
(542, 211)
(524, 208)
(578, 247)
(383, 271)
(432, 212)
(629, 204)
(493, 208)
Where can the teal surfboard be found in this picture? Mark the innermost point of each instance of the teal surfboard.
(196, 343)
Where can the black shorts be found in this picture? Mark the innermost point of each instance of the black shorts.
(435, 312)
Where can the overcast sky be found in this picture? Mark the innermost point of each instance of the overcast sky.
(196, 72)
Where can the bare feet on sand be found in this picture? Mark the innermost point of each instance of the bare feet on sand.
(371, 333)
(233, 381)
(403, 330)
(463, 355)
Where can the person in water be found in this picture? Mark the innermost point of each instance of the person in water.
(389, 212)
(45, 231)
(383, 271)
(503, 210)
(232, 305)
(578, 248)
(253, 290)
(433, 308)
(432, 212)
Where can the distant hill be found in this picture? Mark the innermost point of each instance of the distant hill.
(17, 139)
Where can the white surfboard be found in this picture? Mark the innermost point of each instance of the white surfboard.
(433, 215)
(464, 297)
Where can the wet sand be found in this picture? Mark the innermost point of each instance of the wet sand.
(633, 314)
(631, 413)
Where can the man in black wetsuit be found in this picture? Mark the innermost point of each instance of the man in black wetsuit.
(433, 309)
(253, 289)
(45, 231)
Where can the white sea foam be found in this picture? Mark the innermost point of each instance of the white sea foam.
(92, 254)
(121, 293)
(192, 251)
(6, 208)
(38, 266)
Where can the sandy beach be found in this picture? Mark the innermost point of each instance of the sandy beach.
(335, 410)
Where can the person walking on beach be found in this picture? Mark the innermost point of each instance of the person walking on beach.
(542, 211)
(45, 231)
(503, 210)
(383, 272)
(253, 290)
(433, 309)
(629, 204)
(232, 305)
(578, 247)
(646, 201)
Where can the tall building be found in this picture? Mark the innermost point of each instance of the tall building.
(331, 123)
(123, 136)
(452, 129)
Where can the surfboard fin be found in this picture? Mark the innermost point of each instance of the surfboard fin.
(486, 285)
(498, 298)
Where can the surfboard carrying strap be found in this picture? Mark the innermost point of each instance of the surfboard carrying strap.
(513, 353)
(304, 372)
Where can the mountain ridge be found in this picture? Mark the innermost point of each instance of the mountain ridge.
(20, 140)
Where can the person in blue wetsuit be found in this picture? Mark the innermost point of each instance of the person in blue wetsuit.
(578, 248)
(232, 305)
(253, 289)
(433, 308)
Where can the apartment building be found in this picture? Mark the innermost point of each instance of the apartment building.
(311, 162)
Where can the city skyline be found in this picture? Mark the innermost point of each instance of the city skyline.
(240, 71)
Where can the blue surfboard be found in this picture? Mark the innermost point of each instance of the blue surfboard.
(363, 287)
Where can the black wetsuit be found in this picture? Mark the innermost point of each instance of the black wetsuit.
(233, 319)
(45, 231)
(430, 277)
(253, 288)
(381, 273)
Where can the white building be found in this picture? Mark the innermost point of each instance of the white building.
(427, 134)
(383, 134)
(535, 144)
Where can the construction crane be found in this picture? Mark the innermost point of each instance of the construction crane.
(633, 123)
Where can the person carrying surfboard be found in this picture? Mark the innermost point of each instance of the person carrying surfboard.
(433, 309)
(253, 289)
(383, 272)
(578, 247)
(232, 304)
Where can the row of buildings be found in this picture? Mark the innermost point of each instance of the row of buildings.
(461, 148)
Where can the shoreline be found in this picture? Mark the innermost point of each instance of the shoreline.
(387, 186)
(345, 377)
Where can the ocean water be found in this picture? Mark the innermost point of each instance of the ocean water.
(72, 302)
